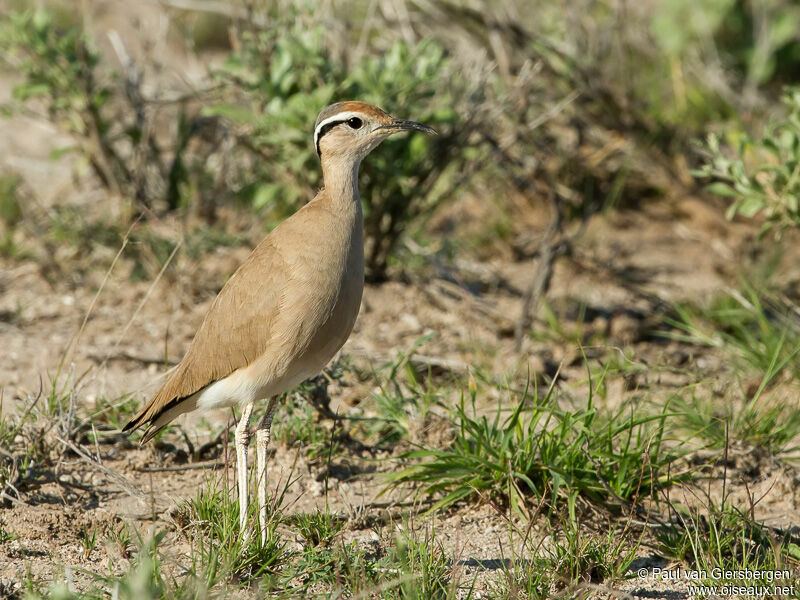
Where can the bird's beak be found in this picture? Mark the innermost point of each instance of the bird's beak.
(398, 125)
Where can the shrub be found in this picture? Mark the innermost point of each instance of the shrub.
(763, 176)
(278, 81)
(119, 131)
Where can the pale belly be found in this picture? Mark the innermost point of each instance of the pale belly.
(281, 370)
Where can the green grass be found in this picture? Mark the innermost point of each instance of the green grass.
(25, 441)
(573, 556)
(318, 527)
(150, 576)
(88, 540)
(750, 325)
(422, 557)
(538, 448)
(558, 329)
(300, 425)
(404, 399)
(762, 337)
(722, 536)
(342, 566)
(585, 556)
(304, 418)
(6, 535)
(119, 540)
(531, 449)
(414, 565)
(214, 516)
(760, 422)
(114, 413)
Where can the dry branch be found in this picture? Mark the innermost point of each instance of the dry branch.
(551, 247)
(121, 480)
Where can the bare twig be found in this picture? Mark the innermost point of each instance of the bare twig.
(5, 496)
(548, 252)
(127, 356)
(121, 480)
(74, 341)
(187, 467)
(215, 7)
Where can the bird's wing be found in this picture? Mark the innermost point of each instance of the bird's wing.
(234, 332)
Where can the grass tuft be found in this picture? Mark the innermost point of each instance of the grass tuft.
(763, 338)
(725, 537)
(566, 559)
(214, 512)
(424, 558)
(6, 535)
(318, 527)
(757, 330)
(540, 448)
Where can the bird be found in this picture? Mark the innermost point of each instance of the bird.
(289, 307)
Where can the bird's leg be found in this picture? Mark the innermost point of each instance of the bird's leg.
(242, 438)
(262, 441)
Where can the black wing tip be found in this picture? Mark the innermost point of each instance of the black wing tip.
(149, 434)
(132, 426)
(151, 421)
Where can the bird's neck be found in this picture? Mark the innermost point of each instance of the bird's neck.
(340, 179)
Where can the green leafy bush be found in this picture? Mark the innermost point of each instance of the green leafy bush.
(156, 153)
(763, 176)
(118, 130)
(58, 63)
(281, 78)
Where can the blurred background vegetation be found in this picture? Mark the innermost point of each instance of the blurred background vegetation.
(578, 107)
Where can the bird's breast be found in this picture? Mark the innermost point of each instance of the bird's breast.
(320, 304)
(339, 309)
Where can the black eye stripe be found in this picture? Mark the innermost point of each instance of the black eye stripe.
(328, 126)
(325, 129)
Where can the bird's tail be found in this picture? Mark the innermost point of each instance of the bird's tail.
(157, 417)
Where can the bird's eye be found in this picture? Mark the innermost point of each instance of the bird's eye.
(355, 123)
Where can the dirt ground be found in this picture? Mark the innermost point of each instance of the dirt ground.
(625, 266)
(679, 250)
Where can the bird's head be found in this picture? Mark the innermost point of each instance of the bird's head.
(351, 130)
